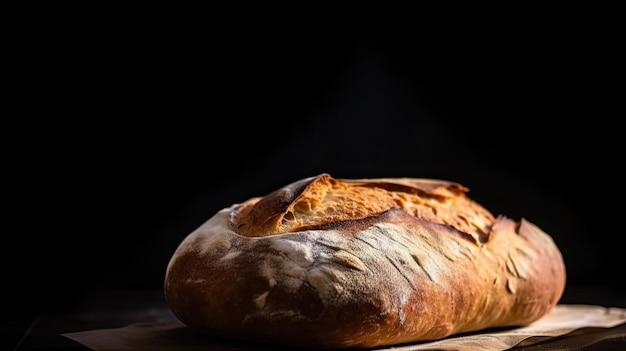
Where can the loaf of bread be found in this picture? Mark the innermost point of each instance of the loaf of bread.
(360, 263)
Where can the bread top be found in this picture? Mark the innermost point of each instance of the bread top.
(323, 202)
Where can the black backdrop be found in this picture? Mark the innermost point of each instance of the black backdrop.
(147, 133)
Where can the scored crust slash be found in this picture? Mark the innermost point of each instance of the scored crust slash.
(360, 263)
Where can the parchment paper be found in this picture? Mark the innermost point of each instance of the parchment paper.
(166, 333)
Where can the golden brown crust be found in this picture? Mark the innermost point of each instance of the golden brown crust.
(330, 263)
(323, 200)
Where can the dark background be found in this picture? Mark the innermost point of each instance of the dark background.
(128, 137)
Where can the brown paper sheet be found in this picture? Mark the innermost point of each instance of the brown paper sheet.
(166, 333)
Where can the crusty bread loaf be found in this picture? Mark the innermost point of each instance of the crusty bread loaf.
(338, 263)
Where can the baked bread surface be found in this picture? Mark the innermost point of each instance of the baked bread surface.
(359, 263)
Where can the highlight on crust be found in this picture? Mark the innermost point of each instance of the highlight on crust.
(317, 201)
